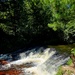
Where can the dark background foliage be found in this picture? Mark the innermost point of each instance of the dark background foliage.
(25, 23)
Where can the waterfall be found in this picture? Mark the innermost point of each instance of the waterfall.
(39, 61)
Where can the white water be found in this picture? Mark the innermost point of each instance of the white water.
(41, 61)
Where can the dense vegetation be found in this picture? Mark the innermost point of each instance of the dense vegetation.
(36, 22)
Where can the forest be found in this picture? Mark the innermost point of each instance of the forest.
(25, 23)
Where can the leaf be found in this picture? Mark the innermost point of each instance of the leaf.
(4, 17)
(54, 26)
(73, 51)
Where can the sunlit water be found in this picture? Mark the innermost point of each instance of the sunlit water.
(39, 61)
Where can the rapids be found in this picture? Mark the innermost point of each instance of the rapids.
(38, 61)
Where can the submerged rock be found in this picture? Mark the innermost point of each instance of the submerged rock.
(4, 70)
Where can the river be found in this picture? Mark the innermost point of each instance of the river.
(36, 61)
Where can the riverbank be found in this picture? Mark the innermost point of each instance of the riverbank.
(66, 70)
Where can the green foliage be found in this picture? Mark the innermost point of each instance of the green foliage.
(73, 51)
(69, 30)
(69, 72)
(25, 20)
(56, 25)
(53, 25)
(63, 18)
(24, 16)
(60, 72)
(69, 62)
(30, 19)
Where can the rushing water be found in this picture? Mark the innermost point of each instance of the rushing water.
(39, 61)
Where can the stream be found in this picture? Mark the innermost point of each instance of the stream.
(36, 61)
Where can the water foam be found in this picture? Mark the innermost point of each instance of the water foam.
(42, 62)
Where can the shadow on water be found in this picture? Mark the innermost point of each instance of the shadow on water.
(63, 48)
(15, 55)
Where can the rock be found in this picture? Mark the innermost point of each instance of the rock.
(72, 74)
(3, 62)
(10, 72)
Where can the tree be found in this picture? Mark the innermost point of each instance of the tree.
(63, 18)
(29, 21)
(24, 21)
